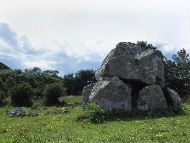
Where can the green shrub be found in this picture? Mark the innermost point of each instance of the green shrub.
(21, 95)
(95, 113)
(52, 92)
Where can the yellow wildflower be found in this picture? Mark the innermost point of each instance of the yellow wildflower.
(160, 135)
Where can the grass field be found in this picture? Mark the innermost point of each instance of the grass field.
(64, 128)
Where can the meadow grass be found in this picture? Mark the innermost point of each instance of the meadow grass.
(64, 128)
(72, 100)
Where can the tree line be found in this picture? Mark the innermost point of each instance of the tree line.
(20, 87)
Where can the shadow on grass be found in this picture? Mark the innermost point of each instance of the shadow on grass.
(137, 115)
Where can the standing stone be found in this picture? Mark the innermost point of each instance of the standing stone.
(111, 94)
(150, 98)
(175, 99)
(132, 62)
(86, 93)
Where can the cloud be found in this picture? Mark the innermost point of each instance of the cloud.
(168, 49)
(18, 52)
(88, 50)
(65, 56)
(7, 35)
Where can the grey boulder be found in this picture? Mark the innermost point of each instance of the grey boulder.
(151, 98)
(33, 114)
(19, 112)
(35, 107)
(86, 92)
(111, 94)
(175, 99)
(130, 61)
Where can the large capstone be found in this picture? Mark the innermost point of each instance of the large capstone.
(111, 94)
(132, 62)
(151, 98)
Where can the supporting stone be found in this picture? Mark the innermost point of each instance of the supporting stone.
(152, 98)
(111, 94)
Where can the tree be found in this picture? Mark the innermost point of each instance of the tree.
(145, 45)
(177, 73)
(38, 79)
(8, 79)
(70, 83)
(84, 77)
(75, 83)
(3, 66)
(2, 98)
(53, 73)
(21, 94)
(52, 92)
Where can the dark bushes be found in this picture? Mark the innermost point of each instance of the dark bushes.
(52, 92)
(21, 94)
(2, 98)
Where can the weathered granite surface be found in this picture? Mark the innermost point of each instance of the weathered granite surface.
(131, 76)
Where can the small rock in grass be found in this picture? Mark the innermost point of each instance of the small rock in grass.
(65, 110)
(35, 107)
(45, 108)
(56, 113)
(33, 114)
(19, 112)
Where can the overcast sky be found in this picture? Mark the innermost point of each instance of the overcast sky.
(69, 35)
